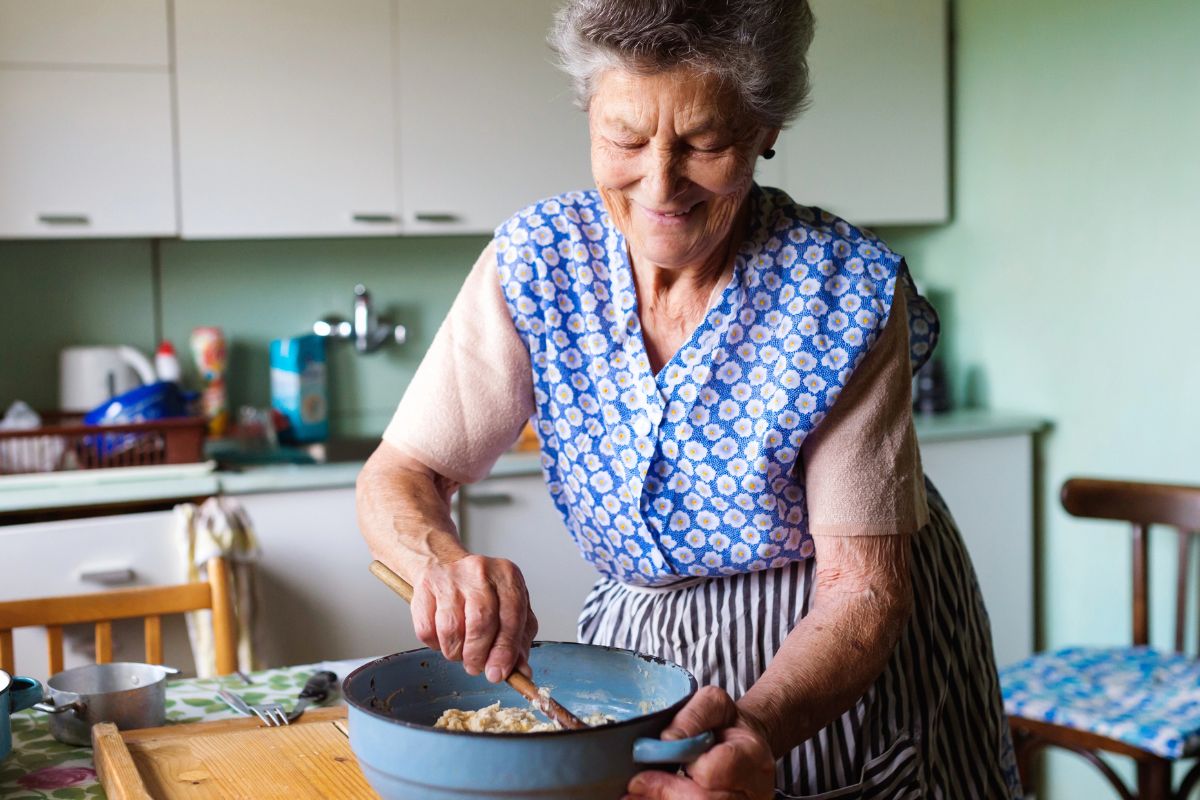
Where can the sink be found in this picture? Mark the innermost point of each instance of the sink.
(344, 449)
(340, 450)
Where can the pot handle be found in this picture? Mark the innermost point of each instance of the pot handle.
(23, 693)
(50, 708)
(675, 751)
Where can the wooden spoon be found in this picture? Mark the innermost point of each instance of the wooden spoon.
(525, 687)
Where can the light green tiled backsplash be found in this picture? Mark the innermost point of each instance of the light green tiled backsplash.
(60, 293)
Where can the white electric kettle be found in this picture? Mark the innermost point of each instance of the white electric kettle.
(88, 376)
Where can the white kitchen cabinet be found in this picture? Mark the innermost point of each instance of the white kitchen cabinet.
(86, 141)
(873, 146)
(107, 33)
(514, 518)
(319, 601)
(45, 559)
(988, 484)
(86, 154)
(286, 114)
(369, 117)
(487, 123)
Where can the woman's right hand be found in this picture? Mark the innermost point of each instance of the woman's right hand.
(476, 609)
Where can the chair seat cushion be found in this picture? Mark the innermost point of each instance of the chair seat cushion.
(1137, 695)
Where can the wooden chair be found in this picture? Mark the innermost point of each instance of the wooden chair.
(102, 608)
(1141, 505)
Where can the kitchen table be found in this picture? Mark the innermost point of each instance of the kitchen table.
(40, 767)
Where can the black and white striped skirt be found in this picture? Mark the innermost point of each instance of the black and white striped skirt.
(931, 726)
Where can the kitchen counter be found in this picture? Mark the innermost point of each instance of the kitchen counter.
(157, 487)
(289, 477)
(974, 424)
(161, 486)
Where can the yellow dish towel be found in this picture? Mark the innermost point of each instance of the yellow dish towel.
(221, 527)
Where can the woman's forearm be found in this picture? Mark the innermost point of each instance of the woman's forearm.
(862, 601)
(469, 607)
(404, 513)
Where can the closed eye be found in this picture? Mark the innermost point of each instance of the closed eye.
(626, 144)
(710, 148)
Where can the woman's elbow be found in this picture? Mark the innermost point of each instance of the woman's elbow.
(869, 577)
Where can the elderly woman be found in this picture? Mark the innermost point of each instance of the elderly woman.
(720, 383)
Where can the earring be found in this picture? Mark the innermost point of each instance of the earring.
(768, 153)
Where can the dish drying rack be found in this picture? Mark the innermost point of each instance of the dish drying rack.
(63, 443)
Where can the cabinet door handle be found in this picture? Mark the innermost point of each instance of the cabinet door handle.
(64, 219)
(442, 217)
(489, 498)
(108, 577)
(374, 219)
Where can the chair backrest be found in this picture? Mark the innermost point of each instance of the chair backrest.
(1143, 505)
(102, 608)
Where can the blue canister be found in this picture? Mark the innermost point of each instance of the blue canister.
(15, 694)
(298, 387)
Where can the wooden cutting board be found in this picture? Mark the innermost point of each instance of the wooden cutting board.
(234, 759)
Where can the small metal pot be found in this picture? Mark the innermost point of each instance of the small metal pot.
(128, 695)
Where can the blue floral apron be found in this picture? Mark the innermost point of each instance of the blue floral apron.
(690, 472)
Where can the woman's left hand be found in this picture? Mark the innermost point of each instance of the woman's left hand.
(739, 767)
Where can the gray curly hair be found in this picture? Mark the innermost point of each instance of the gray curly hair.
(757, 47)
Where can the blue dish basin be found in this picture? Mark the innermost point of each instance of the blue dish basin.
(395, 700)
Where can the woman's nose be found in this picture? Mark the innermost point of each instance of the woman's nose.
(663, 174)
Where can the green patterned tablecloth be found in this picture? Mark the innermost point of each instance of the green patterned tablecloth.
(40, 767)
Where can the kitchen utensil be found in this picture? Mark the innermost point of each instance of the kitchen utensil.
(316, 690)
(229, 758)
(271, 714)
(524, 686)
(395, 700)
(236, 703)
(16, 693)
(87, 376)
(127, 694)
(272, 711)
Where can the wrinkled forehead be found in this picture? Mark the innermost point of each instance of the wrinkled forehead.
(680, 101)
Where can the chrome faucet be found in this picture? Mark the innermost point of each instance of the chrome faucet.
(368, 332)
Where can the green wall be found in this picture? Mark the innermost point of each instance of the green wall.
(1070, 270)
(102, 292)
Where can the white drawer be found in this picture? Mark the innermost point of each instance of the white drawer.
(67, 557)
(45, 559)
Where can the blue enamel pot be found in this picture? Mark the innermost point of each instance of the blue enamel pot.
(16, 694)
(395, 700)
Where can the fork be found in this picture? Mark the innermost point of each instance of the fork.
(271, 714)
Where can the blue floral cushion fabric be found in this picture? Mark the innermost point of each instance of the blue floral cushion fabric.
(690, 471)
(1138, 695)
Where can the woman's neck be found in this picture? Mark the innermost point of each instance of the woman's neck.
(673, 301)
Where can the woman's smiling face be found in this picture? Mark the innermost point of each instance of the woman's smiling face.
(672, 162)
